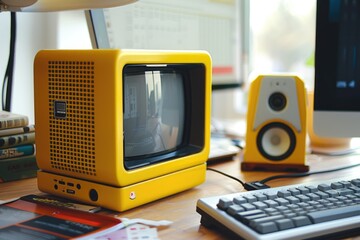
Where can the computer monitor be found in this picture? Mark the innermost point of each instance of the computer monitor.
(121, 128)
(337, 69)
(213, 26)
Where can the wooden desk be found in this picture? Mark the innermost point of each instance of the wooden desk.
(181, 208)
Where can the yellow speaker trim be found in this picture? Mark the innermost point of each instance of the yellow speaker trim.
(252, 157)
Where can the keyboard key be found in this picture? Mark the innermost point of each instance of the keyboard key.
(256, 222)
(356, 182)
(303, 190)
(284, 193)
(247, 219)
(233, 209)
(332, 200)
(324, 187)
(283, 224)
(345, 191)
(303, 198)
(346, 184)
(250, 198)
(282, 208)
(355, 189)
(271, 203)
(312, 189)
(313, 196)
(260, 205)
(322, 195)
(271, 195)
(335, 213)
(266, 227)
(252, 212)
(271, 210)
(260, 197)
(294, 191)
(332, 193)
(336, 185)
(303, 204)
(293, 206)
(341, 198)
(293, 199)
(224, 203)
(290, 215)
(242, 215)
(248, 206)
(281, 201)
(301, 221)
(239, 200)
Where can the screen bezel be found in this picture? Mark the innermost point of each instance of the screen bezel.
(193, 141)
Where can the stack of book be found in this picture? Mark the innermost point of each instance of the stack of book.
(17, 147)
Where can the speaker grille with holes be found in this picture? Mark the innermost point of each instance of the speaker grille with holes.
(71, 116)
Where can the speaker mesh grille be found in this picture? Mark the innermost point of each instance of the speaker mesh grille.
(72, 138)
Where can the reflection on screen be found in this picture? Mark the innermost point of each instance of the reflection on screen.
(337, 65)
(154, 112)
(346, 14)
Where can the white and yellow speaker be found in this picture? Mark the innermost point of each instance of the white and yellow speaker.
(276, 124)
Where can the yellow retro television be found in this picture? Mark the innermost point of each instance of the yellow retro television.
(121, 128)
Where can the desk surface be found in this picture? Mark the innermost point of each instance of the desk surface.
(180, 208)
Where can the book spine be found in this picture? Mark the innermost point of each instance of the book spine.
(18, 168)
(12, 120)
(17, 139)
(20, 130)
(14, 152)
(13, 123)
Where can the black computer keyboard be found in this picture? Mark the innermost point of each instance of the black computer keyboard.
(328, 208)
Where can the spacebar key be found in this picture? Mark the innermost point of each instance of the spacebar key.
(334, 214)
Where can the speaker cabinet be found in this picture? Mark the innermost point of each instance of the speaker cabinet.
(276, 124)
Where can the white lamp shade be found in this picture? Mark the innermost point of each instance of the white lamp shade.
(58, 5)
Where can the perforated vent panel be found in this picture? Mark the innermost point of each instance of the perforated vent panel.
(72, 133)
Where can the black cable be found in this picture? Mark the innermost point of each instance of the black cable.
(256, 185)
(9, 73)
(238, 143)
(227, 175)
(296, 175)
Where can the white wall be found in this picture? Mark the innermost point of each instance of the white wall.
(68, 30)
(36, 31)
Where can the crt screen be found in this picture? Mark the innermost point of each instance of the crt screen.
(154, 112)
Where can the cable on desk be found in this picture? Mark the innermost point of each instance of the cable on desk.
(9, 73)
(256, 185)
(296, 175)
(227, 175)
(238, 143)
(248, 186)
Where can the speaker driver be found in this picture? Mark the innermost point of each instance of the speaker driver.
(277, 101)
(276, 141)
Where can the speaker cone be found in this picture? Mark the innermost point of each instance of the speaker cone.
(277, 101)
(276, 141)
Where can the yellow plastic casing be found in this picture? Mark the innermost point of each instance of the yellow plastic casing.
(97, 173)
(252, 157)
